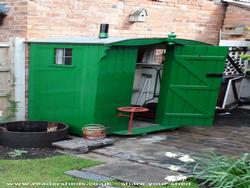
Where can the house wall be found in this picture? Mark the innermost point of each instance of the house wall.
(236, 16)
(193, 19)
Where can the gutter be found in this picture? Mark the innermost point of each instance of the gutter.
(240, 3)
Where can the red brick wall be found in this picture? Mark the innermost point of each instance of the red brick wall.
(191, 19)
(236, 16)
(15, 24)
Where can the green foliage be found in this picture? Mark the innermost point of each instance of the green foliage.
(12, 107)
(247, 71)
(17, 153)
(245, 56)
(223, 172)
(41, 170)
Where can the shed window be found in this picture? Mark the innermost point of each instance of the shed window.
(63, 56)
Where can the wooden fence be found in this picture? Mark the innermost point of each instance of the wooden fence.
(12, 80)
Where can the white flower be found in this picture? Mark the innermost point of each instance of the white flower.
(186, 158)
(174, 168)
(181, 178)
(171, 155)
(175, 178)
(171, 178)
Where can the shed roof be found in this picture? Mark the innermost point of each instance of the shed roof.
(114, 41)
(79, 40)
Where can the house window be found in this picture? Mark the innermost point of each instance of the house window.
(63, 56)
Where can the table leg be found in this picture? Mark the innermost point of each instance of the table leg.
(130, 125)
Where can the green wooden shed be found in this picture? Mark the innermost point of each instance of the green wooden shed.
(81, 81)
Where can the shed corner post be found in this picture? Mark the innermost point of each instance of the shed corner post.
(101, 55)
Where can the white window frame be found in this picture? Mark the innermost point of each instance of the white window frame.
(60, 56)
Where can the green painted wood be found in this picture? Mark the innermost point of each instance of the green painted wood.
(87, 92)
(152, 41)
(64, 93)
(115, 87)
(143, 130)
(188, 96)
(101, 79)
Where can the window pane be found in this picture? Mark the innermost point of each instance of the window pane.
(68, 52)
(68, 60)
(59, 56)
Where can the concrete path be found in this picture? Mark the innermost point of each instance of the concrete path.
(128, 172)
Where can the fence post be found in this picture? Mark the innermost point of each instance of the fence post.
(19, 72)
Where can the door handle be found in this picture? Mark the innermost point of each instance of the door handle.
(214, 75)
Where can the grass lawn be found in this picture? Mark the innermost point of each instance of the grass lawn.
(49, 170)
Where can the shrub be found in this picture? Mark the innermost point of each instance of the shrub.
(223, 172)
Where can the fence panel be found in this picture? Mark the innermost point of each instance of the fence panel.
(6, 82)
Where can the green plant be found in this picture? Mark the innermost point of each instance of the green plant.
(247, 71)
(11, 108)
(222, 171)
(245, 56)
(16, 153)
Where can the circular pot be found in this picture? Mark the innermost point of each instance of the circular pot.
(31, 134)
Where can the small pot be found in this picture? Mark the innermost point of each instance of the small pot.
(94, 131)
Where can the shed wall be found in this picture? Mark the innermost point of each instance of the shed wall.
(63, 93)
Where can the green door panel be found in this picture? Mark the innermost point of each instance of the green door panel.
(115, 87)
(188, 96)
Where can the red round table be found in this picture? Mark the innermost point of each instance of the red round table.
(131, 110)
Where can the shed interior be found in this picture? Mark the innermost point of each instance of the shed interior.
(147, 80)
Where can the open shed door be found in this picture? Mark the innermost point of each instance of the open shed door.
(190, 86)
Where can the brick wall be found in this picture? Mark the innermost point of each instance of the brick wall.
(236, 16)
(191, 19)
(15, 24)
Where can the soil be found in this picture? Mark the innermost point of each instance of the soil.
(32, 153)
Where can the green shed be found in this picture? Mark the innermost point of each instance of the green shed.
(82, 81)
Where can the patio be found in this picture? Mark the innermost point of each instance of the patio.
(229, 136)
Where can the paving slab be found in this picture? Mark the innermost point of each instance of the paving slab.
(133, 173)
(82, 145)
(87, 175)
(71, 145)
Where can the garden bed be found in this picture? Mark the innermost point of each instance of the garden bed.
(27, 153)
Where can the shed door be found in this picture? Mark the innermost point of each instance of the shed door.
(190, 85)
